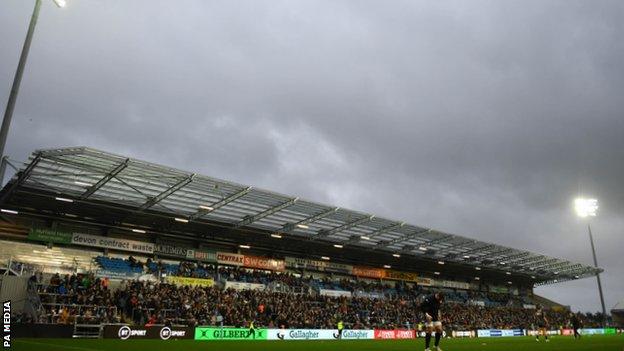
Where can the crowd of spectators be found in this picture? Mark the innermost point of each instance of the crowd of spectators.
(80, 298)
(85, 299)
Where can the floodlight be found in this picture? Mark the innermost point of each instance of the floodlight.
(586, 207)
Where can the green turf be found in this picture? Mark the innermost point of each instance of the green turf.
(561, 343)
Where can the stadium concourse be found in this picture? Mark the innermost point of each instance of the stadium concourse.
(101, 245)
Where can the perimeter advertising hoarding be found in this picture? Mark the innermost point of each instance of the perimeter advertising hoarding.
(189, 281)
(264, 263)
(368, 272)
(124, 332)
(548, 332)
(243, 286)
(201, 255)
(422, 334)
(334, 293)
(425, 281)
(112, 243)
(210, 333)
(398, 275)
(452, 284)
(170, 250)
(592, 331)
(567, 332)
(395, 334)
(50, 236)
(323, 266)
(319, 334)
(231, 259)
(487, 333)
(463, 334)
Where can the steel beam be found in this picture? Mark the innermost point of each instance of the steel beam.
(266, 213)
(22, 177)
(326, 233)
(542, 263)
(288, 228)
(158, 198)
(221, 203)
(402, 239)
(113, 173)
(378, 232)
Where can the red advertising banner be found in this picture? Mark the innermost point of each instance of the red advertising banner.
(395, 334)
(230, 258)
(368, 272)
(264, 263)
(567, 332)
(405, 334)
(384, 334)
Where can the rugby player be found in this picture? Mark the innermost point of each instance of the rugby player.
(431, 308)
(542, 324)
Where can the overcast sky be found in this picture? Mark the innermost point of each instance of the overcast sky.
(480, 118)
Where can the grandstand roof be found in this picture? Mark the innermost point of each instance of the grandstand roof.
(92, 176)
(619, 307)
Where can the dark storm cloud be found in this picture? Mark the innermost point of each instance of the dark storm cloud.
(482, 118)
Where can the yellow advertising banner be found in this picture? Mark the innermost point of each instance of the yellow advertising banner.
(425, 281)
(190, 281)
(406, 276)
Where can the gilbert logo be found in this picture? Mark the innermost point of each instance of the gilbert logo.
(6, 324)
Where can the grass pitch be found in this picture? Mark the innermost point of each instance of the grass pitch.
(560, 343)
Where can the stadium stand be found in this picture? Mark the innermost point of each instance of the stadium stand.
(107, 239)
(87, 299)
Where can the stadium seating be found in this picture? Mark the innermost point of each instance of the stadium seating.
(373, 304)
(117, 265)
(86, 299)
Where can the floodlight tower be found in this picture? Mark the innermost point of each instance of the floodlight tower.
(17, 80)
(586, 208)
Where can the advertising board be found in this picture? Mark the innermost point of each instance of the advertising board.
(211, 333)
(395, 334)
(125, 332)
(318, 334)
(491, 333)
